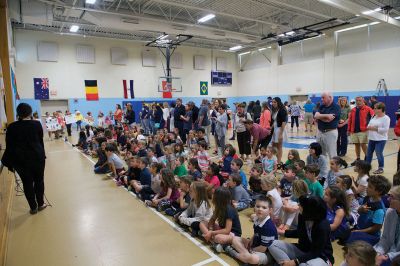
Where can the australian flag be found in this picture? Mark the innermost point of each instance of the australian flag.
(41, 86)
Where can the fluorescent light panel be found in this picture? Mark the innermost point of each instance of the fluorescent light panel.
(234, 48)
(372, 11)
(244, 53)
(163, 37)
(290, 33)
(262, 49)
(90, 2)
(206, 18)
(359, 26)
(74, 28)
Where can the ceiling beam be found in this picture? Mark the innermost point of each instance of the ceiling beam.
(144, 17)
(293, 7)
(216, 12)
(354, 8)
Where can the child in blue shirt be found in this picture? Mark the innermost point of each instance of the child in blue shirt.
(236, 167)
(226, 160)
(254, 250)
(269, 160)
(240, 198)
(372, 211)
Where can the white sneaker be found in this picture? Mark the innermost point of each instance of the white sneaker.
(218, 248)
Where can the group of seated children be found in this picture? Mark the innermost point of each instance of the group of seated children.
(290, 200)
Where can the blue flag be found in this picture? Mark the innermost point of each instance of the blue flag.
(41, 86)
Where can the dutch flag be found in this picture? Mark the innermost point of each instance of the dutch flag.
(128, 90)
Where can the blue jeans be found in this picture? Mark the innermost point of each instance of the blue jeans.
(377, 147)
(371, 239)
(101, 170)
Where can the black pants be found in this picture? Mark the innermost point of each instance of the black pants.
(243, 140)
(69, 129)
(182, 134)
(33, 182)
(342, 140)
(295, 119)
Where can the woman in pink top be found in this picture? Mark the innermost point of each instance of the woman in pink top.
(265, 119)
(118, 114)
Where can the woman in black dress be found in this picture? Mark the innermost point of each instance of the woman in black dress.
(25, 154)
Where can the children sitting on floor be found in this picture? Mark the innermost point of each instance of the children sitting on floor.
(372, 211)
(168, 194)
(194, 169)
(224, 224)
(240, 198)
(180, 168)
(178, 206)
(115, 164)
(236, 167)
(286, 182)
(254, 250)
(314, 186)
(199, 209)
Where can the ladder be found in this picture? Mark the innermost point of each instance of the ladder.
(381, 88)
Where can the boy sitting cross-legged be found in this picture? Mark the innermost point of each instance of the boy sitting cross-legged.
(115, 163)
(145, 176)
(240, 197)
(254, 250)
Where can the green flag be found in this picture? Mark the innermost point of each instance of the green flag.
(203, 87)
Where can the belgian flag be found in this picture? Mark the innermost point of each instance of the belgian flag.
(92, 92)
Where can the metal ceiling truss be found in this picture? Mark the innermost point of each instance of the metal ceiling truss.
(251, 19)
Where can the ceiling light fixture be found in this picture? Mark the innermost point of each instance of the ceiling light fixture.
(290, 33)
(244, 53)
(262, 49)
(360, 26)
(397, 17)
(91, 2)
(235, 48)
(74, 28)
(206, 18)
(372, 11)
(162, 37)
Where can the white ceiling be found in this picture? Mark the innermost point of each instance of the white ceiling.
(237, 22)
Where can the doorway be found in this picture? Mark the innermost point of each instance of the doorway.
(53, 106)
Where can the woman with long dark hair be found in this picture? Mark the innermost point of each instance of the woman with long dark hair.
(25, 154)
(314, 246)
(279, 117)
(118, 114)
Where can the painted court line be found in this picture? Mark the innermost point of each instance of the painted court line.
(59, 151)
(175, 227)
(204, 262)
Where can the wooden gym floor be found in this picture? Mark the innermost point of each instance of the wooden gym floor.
(93, 222)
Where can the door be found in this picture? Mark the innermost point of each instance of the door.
(53, 106)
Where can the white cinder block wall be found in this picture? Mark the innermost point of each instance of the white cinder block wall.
(67, 76)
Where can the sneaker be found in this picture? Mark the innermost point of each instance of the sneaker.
(33, 211)
(378, 171)
(218, 248)
(231, 251)
(354, 163)
(41, 208)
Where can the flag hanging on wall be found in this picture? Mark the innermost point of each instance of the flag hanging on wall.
(128, 91)
(14, 84)
(91, 90)
(41, 86)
